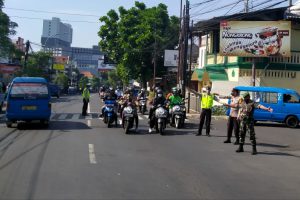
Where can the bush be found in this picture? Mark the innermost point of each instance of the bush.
(219, 110)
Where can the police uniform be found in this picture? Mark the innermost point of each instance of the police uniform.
(206, 107)
(86, 99)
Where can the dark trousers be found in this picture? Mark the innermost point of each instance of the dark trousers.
(205, 115)
(232, 125)
(85, 106)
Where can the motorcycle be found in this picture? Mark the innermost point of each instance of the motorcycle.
(178, 116)
(128, 118)
(143, 105)
(161, 115)
(109, 113)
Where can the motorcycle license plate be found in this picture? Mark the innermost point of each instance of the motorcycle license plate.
(28, 107)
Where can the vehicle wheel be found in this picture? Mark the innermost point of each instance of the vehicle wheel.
(177, 123)
(108, 122)
(143, 111)
(126, 127)
(57, 96)
(292, 122)
(105, 119)
(161, 128)
(116, 122)
(9, 124)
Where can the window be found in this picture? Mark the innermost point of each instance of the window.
(270, 97)
(29, 90)
(289, 98)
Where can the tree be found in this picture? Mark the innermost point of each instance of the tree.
(128, 37)
(95, 83)
(113, 78)
(6, 28)
(83, 82)
(38, 65)
(62, 80)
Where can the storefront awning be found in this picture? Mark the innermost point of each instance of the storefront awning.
(215, 74)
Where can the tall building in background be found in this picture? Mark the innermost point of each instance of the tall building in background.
(56, 35)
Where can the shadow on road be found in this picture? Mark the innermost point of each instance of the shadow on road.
(54, 125)
(272, 153)
(276, 125)
(273, 145)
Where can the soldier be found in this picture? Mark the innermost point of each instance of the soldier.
(246, 120)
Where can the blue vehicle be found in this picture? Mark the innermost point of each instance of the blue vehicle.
(284, 102)
(28, 99)
(110, 115)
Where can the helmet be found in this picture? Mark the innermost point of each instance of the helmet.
(156, 89)
(174, 90)
(142, 90)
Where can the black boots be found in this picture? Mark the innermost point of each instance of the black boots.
(254, 151)
(240, 149)
(227, 141)
(236, 142)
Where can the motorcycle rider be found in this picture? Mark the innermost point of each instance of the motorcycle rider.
(110, 95)
(119, 92)
(175, 99)
(142, 95)
(158, 100)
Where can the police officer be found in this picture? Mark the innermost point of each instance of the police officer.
(246, 119)
(206, 106)
(86, 99)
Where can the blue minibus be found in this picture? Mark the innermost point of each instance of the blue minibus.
(28, 99)
(284, 102)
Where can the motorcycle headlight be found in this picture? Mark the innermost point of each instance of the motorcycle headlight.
(176, 109)
(128, 110)
(160, 111)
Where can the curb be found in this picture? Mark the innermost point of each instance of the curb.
(197, 115)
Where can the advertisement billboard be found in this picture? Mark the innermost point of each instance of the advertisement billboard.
(255, 38)
(171, 58)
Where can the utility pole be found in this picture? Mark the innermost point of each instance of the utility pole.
(27, 46)
(179, 46)
(246, 6)
(154, 61)
(186, 37)
(190, 69)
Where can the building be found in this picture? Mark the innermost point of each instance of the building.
(56, 34)
(226, 72)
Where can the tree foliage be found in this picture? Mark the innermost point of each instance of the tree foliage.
(113, 78)
(83, 82)
(62, 80)
(7, 28)
(128, 37)
(38, 65)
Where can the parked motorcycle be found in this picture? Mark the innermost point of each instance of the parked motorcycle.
(143, 105)
(178, 116)
(128, 118)
(161, 115)
(109, 113)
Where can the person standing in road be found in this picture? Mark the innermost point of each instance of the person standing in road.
(233, 124)
(206, 109)
(86, 99)
(246, 120)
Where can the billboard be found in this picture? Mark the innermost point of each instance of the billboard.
(255, 38)
(57, 66)
(171, 58)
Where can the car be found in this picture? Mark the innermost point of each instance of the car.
(54, 90)
(28, 99)
(72, 90)
(284, 102)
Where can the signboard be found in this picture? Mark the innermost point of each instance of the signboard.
(58, 66)
(255, 38)
(171, 58)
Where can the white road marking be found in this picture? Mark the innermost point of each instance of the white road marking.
(92, 154)
(88, 108)
(62, 116)
(52, 115)
(140, 117)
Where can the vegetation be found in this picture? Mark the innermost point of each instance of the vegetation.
(83, 82)
(6, 28)
(131, 36)
(113, 78)
(61, 80)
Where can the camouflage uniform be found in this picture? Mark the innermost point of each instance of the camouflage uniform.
(247, 123)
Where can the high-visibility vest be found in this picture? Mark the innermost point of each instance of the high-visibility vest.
(207, 101)
(86, 94)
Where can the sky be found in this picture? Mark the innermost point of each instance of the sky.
(85, 28)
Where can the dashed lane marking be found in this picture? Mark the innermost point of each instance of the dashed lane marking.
(92, 155)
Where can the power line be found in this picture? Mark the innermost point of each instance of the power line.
(43, 11)
(36, 18)
(201, 3)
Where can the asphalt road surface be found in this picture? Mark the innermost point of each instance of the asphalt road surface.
(79, 158)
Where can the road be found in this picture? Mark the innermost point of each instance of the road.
(79, 158)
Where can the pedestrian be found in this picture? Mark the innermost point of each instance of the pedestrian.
(233, 123)
(246, 120)
(206, 109)
(86, 99)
